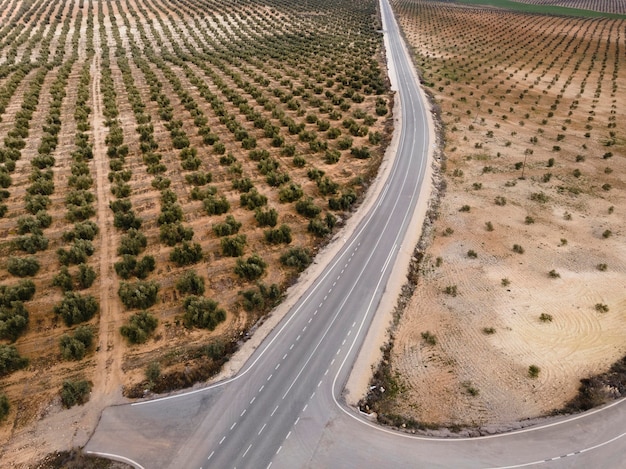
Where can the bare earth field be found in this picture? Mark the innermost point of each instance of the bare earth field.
(527, 261)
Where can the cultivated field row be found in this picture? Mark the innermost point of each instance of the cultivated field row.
(521, 292)
(167, 170)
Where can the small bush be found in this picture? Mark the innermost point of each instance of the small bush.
(499, 200)
(75, 347)
(307, 208)
(190, 283)
(260, 298)
(132, 243)
(252, 268)
(451, 290)
(505, 282)
(297, 257)
(529, 220)
(544, 317)
(202, 312)
(533, 371)
(153, 373)
(429, 338)
(488, 330)
(290, 193)
(187, 253)
(139, 328)
(267, 217)
(76, 308)
(279, 235)
(138, 295)
(75, 392)
(465, 208)
(173, 233)
(252, 199)
(472, 254)
(601, 308)
(539, 197)
(489, 226)
(5, 407)
(601, 267)
(607, 234)
(233, 246)
(554, 274)
(23, 266)
(10, 360)
(518, 249)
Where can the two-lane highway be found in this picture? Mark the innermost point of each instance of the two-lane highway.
(284, 409)
(252, 416)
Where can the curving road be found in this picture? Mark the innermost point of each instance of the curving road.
(284, 409)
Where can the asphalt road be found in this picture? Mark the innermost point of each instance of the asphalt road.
(284, 410)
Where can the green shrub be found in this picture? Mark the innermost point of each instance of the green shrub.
(23, 291)
(23, 266)
(5, 407)
(13, 320)
(174, 233)
(139, 294)
(229, 227)
(216, 206)
(297, 257)
(279, 235)
(267, 217)
(429, 338)
(539, 197)
(601, 308)
(86, 276)
(545, 317)
(260, 298)
(75, 347)
(533, 371)
(290, 193)
(243, 184)
(76, 308)
(252, 199)
(133, 242)
(252, 268)
(187, 253)
(344, 202)
(170, 213)
(202, 312)
(75, 392)
(63, 280)
(86, 230)
(153, 373)
(318, 227)
(139, 328)
(130, 267)
(126, 221)
(77, 254)
(307, 208)
(233, 246)
(31, 243)
(332, 156)
(10, 360)
(190, 283)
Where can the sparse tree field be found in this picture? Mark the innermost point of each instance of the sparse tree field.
(532, 109)
(167, 169)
